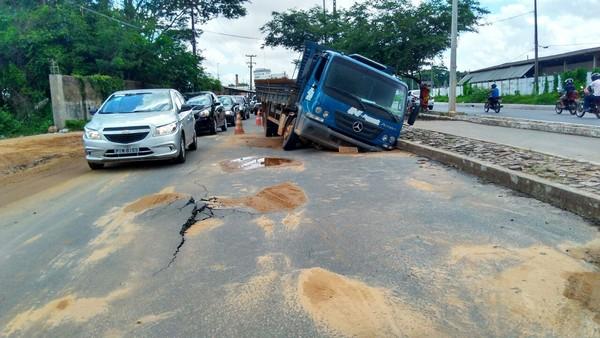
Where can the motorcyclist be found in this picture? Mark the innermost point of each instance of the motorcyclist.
(570, 93)
(494, 95)
(592, 93)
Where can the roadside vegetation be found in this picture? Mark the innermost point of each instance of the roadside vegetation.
(105, 41)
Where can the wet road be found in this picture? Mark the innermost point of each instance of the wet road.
(551, 116)
(384, 244)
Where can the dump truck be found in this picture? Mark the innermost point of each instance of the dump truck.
(336, 100)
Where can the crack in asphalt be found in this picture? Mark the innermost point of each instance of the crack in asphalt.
(205, 209)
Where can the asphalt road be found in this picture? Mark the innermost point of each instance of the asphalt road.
(588, 119)
(385, 244)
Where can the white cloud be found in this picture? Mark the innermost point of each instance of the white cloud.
(559, 23)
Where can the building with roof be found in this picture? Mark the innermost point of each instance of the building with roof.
(548, 65)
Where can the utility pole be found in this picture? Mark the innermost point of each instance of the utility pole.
(453, 33)
(537, 66)
(251, 65)
(193, 32)
(334, 8)
(324, 10)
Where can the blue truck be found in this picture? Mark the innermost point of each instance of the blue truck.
(337, 100)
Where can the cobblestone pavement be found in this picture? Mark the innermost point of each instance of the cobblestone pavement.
(576, 174)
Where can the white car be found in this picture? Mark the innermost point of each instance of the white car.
(415, 94)
(143, 124)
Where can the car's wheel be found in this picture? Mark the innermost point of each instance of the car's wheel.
(213, 126)
(194, 144)
(290, 139)
(558, 108)
(181, 157)
(224, 126)
(95, 166)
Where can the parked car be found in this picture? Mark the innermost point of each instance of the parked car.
(230, 107)
(416, 94)
(208, 113)
(244, 105)
(144, 124)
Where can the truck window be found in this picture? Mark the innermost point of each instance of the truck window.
(320, 67)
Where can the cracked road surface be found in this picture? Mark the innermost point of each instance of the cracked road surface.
(384, 244)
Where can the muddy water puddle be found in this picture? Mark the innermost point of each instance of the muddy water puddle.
(255, 162)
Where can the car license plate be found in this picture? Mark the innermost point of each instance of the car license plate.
(125, 151)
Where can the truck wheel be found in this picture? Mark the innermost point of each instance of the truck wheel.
(290, 139)
(95, 166)
(270, 128)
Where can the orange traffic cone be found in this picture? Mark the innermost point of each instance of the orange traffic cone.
(239, 129)
(259, 118)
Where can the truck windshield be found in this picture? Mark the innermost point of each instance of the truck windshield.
(137, 103)
(365, 89)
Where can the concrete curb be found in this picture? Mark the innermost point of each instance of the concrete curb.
(577, 201)
(551, 127)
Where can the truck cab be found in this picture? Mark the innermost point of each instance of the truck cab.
(350, 99)
(340, 100)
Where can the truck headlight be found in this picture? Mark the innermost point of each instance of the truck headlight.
(167, 129)
(204, 113)
(392, 139)
(92, 134)
(385, 138)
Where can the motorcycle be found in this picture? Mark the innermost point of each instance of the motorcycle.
(495, 106)
(594, 109)
(572, 104)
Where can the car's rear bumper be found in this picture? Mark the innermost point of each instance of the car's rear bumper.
(321, 134)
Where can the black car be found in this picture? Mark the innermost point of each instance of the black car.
(230, 106)
(208, 112)
(244, 106)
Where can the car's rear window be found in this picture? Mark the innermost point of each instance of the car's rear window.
(137, 103)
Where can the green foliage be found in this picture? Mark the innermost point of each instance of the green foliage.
(33, 124)
(546, 86)
(8, 124)
(579, 77)
(395, 32)
(105, 84)
(75, 124)
(151, 47)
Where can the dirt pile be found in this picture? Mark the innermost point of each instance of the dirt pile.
(153, 201)
(250, 163)
(253, 141)
(532, 286)
(281, 197)
(69, 308)
(355, 309)
(22, 153)
(203, 226)
(118, 227)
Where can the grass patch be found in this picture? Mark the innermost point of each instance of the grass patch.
(541, 99)
(75, 124)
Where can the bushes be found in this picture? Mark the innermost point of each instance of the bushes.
(34, 124)
(75, 124)
(481, 95)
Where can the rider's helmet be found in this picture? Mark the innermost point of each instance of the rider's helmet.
(569, 81)
(493, 85)
(595, 76)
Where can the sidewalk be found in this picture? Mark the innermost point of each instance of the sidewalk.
(579, 148)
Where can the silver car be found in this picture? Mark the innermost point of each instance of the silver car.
(144, 124)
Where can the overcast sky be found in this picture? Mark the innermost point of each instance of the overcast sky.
(563, 26)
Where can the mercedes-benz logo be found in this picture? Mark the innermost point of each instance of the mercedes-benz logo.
(357, 126)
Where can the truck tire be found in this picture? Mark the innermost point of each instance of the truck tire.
(290, 138)
(270, 128)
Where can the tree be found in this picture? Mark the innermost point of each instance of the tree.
(395, 32)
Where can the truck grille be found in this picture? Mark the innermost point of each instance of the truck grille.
(126, 134)
(344, 123)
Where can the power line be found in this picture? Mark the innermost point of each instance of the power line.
(571, 44)
(83, 8)
(232, 35)
(507, 18)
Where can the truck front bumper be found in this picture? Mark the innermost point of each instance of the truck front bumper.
(321, 134)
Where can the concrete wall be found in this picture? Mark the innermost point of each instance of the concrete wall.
(72, 98)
